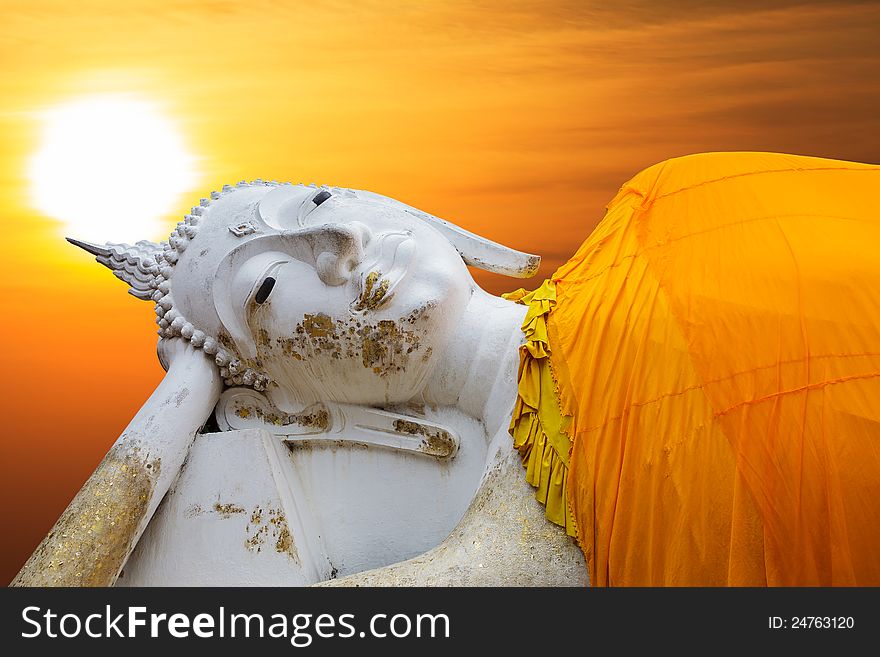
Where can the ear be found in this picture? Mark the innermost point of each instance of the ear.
(482, 253)
(476, 251)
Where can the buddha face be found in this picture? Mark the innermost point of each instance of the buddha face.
(312, 294)
(334, 296)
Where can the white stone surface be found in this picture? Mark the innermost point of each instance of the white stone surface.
(347, 507)
(229, 520)
(370, 384)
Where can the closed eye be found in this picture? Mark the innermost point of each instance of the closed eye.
(312, 204)
(264, 283)
(264, 290)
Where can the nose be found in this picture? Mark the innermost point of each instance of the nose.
(336, 248)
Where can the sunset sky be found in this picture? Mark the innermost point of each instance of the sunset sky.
(518, 120)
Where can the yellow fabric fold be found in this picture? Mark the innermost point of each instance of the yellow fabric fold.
(538, 426)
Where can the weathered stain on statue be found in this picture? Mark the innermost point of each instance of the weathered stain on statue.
(318, 418)
(385, 347)
(274, 528)
(305, 444)
(436, 442)
(373, 296)
(263, 339)
(92, 539)
(226, 340)
(245, 411)
(180, 397)
(319, 326)
(315, 416)
(228, 509)
(284, 539)
(193, 510)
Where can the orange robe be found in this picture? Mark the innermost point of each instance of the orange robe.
(716, 344)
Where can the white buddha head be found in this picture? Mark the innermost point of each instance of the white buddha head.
(313, 293)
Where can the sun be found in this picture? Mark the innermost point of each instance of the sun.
(109, 167)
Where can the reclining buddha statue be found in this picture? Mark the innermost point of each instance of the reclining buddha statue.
(692, 399)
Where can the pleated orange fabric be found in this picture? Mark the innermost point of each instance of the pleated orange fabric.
(716, 341)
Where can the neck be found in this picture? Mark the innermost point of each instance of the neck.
(478, 372)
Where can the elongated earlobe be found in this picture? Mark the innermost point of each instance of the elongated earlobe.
(476, 251)
(485, 254)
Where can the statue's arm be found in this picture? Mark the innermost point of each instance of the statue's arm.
(90, 542)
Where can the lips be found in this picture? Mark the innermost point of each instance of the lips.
(383, 274)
